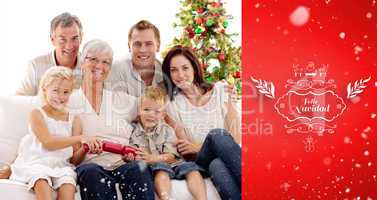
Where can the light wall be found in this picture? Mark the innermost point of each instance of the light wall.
(25, 25)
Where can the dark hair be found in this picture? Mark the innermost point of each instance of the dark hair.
(145, 25)
(199, 80)
(65, 20)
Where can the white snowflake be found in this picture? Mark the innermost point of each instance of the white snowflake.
(347, 140)
(357, 49)
(300, 16)
(369, 15)
(342, 35)
(373, 115)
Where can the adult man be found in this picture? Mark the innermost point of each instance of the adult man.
(66, 36)
(133, 74)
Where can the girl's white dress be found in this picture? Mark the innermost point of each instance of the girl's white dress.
(35, 162)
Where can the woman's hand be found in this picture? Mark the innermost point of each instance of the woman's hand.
(95, 144)
(185, 147)
(5, 172)
(147, 157)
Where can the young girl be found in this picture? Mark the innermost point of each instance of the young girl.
(155, 141)
(53, 141)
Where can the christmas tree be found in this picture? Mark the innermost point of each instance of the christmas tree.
(203, 24)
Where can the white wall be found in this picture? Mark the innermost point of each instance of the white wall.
(24, 32)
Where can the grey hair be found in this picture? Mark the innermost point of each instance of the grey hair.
(95, 47)
(65, 20)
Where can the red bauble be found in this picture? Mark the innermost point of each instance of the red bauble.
(237, 75)
(215, 4)
(221, 56)
(203, 66)
(200, 10)
(199, 21)
(190, 31)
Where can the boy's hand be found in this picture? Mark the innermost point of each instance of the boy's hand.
(143, 155)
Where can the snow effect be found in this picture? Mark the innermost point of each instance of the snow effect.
(300, 16)
(342, 35)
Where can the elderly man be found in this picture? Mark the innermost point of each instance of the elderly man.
(66, 36)
(133, 74)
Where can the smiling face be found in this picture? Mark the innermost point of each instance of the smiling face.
(150, 113)
(181, 72)
(143, 46)
(96, 66)
(67, 41)
(57, 93)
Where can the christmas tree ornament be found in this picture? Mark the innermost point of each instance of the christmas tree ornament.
(225, 24)
(213, 64)
(200, 10)
(198, 30)
(210, 22)
(199, 21)
(221, 56)
(230, 79)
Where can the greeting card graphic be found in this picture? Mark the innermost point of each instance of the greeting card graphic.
(311, 104)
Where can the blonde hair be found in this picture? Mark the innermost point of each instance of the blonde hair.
(52, 74)
(154, 93)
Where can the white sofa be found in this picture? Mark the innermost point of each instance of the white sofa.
(14, 112)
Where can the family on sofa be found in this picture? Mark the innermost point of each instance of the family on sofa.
(180, 126)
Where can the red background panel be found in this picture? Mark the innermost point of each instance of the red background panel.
(343, 164)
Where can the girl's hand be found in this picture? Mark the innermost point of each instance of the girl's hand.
(185, 147)
(95, 145)
(129, 157)
(143, 155)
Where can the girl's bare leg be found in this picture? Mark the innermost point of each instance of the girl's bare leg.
(43, 191)
(66, 192)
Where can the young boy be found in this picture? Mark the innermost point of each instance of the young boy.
(155, 141)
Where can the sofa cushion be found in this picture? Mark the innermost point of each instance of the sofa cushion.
(14, 190)
(14, 114)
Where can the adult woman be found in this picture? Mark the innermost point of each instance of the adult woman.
(106, 114)
(204, 110)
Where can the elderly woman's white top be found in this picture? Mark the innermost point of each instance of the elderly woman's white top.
(112, 122)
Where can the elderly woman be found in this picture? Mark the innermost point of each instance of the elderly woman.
(106, 114)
